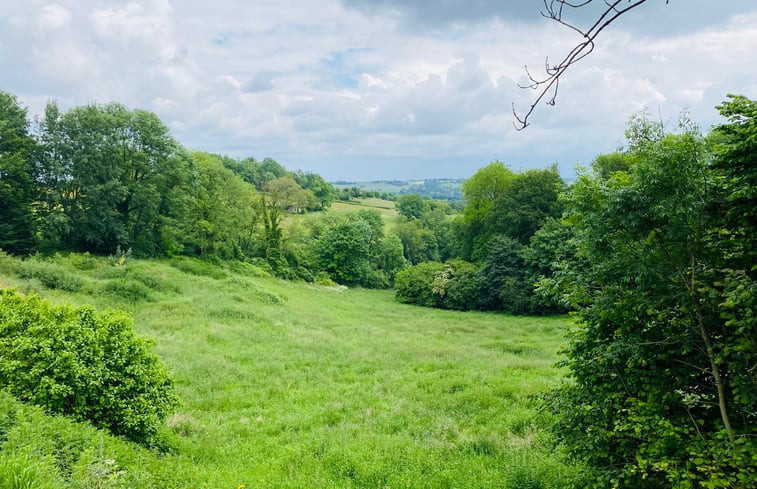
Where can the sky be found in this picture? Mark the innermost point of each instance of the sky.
(364, 90)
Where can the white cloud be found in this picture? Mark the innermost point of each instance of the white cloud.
(51, 18)
(373, 90)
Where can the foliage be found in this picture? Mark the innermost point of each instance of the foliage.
(388, 256)
(323, 192)
(222, 218)
(415, 284)
(411, 206)
(111, 177)
(458, 285)
(289, 196)
(499, 201)
(735, 151)
(88, 365)
(418, 242)
(550, 247)
(17, 176)
(343, 250)
(662, 393)
(502, 271)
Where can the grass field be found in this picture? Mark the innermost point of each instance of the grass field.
(289, 385)
(383, 207)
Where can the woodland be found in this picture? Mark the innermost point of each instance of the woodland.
(651, 250)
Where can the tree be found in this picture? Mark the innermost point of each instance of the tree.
(663, 392)
(419, 243)
(411, 206)
(288, 195)
(344, 250)
(503, 273)
(499, 201)
(388, 256)
(550, 246)
(481, 191)
(531, 199)
(735, 156)
(110, 177)
(324, 192)
(18, 189)
(546, 86)
(606, 164)
(223, 217)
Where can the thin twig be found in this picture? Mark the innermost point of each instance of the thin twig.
(549, 84)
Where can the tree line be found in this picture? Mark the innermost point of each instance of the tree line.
(105, 179)
(102, 178)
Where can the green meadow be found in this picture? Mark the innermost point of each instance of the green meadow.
(286, 385)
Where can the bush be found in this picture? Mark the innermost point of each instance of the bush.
(414, 285)
(77, 362)
(458, 285)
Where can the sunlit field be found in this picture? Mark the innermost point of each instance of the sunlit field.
(293, 385)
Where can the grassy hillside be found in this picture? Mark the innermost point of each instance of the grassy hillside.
(384, 207)
(294, 385)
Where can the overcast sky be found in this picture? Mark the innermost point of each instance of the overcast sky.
(378, 89)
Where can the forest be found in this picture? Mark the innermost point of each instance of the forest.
(651, 250)
(104, 179)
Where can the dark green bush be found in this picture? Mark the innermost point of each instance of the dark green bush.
(77, 362)
(414, 285)
(458, 285)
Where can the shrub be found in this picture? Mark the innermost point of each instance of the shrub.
(458, 285)
(414, 285)
(77, 362)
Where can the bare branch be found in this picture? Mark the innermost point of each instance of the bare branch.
(553, 10)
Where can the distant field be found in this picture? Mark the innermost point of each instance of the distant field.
(442, 189)
(288, 385)
(384, 207)
(389, 187)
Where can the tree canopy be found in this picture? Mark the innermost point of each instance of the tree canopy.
(663, 391)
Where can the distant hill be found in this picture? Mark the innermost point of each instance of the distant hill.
(433, 188)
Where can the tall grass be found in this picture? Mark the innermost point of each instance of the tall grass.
(296, 385)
